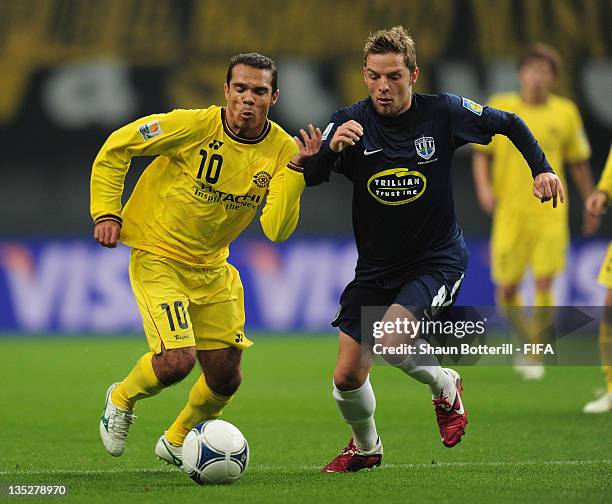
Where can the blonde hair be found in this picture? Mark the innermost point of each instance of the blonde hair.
(392, 40)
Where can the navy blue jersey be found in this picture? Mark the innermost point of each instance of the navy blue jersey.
(403, 207)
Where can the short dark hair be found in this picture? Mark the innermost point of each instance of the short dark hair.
(541, 51)
(392, 40)
(254, 60)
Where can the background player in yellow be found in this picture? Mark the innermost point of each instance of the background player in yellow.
(213, 169)
(597, 204)
(527, 234)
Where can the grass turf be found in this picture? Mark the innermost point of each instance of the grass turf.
(526, 441)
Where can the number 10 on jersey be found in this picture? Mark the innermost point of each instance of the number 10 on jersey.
(213, 167)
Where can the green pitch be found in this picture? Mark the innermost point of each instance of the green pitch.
(525, 441)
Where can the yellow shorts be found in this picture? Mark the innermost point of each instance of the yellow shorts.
(518, 243)
(605, 273)
(183, 306)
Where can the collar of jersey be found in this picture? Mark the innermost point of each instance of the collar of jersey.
(240, 139)
(401, 119)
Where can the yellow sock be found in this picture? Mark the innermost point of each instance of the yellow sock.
(203, 404)
(542, 317)
(511, 309)
(544, 298)
(139, 384)
(605, 345)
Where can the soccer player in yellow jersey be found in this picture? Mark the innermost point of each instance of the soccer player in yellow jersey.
(596, 205)
(214, 167)
(525, 232)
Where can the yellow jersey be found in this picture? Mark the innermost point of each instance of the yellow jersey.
(605, 182)
(558, 128)
(202, 189)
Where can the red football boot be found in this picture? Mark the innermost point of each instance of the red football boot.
(452, 417)
(351, 460)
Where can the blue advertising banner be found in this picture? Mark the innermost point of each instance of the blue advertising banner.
(75, 286)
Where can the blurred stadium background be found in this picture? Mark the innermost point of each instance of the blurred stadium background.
(71, 71)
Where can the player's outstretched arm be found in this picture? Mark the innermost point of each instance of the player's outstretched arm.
(281, 213)
(149, 136)
(472, 122)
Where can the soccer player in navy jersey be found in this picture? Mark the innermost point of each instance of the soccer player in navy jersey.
(396, 147)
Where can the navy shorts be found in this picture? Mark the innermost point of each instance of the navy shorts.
(425, 295)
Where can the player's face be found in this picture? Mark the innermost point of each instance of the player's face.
(249, 97)
(536, 78)
(389, 83)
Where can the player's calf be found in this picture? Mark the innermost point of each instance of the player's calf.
(172, 365)
(221, 369)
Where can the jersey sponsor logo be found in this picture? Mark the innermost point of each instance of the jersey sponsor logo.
(397, 186)
(425, 147)
(367, 152)
(327, 130)
(150, 130)
(262, 179)
(472, 106)
(230, 201)
(215, 144)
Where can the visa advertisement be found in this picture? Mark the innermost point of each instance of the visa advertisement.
(76, 286)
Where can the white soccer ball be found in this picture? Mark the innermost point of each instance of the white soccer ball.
(215, 452)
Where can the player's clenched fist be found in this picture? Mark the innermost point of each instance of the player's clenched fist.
(547, 186)
(347, 134)
(106, 233)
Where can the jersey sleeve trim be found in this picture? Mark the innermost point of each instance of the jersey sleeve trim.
(108, 217)
(295, 167)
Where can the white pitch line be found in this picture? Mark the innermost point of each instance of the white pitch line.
(307, 468)
(502, 463)
(84, 471)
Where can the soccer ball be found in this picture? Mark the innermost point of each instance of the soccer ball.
(215, 452)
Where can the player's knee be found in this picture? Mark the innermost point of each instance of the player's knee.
(171, 366)
(348, 379)
(543, 284)
(225, 383)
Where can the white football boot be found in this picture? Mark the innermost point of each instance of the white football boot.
(114, 425)
(167, 452)
(601, 405)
